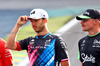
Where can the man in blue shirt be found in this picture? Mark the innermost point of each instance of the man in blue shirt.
(44, 49)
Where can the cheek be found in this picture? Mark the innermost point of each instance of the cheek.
(91, 24)
(32, 23)
(85, 26)
(40, 24)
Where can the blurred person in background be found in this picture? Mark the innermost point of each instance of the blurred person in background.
(89, 46)
(5, 55)
(45, 49)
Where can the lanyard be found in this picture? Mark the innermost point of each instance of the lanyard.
(44, 36)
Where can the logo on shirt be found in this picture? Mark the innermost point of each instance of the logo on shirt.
(7, 53)
(63, 44)
(83, 44)
(47, 42)
(83, 41)
(87, 58)
(31, 42)
(96, 43)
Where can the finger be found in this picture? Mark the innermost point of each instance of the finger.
(26, 18)
(21, 18)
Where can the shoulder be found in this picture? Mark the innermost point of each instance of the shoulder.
(31, 37)
(84, 38)
(59, 40)
(2, 45)
(2, 41)
(57, 37)
(27, 39)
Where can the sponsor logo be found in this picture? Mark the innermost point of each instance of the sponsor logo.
(33, 12)
(96, 43)
(83, 41)
(87, 58)
(63, 44)
(47, 42)
(83, 44)
(31, 42)
(87, 13)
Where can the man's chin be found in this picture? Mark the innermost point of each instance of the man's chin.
(84, 30)
(37, 31)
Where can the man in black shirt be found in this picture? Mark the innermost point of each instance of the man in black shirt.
(44, 49)
(89, 46)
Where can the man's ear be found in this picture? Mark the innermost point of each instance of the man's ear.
(96, 21)
(45, 20)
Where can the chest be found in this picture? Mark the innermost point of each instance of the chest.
(91, 46)
(41, 44)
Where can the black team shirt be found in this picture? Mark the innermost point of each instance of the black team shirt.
(89, 50)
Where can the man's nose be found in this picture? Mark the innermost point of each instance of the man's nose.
(33, 23)
(82, 22)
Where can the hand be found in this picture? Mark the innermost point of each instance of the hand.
(22, 20)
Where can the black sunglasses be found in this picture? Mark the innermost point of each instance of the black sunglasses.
(84, 20)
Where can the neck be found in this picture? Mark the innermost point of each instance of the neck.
(93, 32)
(43, 33)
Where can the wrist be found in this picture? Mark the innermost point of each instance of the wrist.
(18, 25)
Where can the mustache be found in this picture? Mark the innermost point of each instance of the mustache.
(82, 25)
(34, 26)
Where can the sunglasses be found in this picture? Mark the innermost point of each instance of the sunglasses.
(85, 20)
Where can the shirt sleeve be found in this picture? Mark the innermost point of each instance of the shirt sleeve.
(24, 43)
(60, 50)
(18, 46)
(79, 51)
(6, 54)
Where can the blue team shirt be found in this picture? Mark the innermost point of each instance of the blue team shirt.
(45, 50)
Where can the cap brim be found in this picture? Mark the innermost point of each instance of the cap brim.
(81, 17)
(33, 18)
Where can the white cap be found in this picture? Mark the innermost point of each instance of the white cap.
(38, 13)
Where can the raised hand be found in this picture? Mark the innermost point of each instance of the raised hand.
(22, 20)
